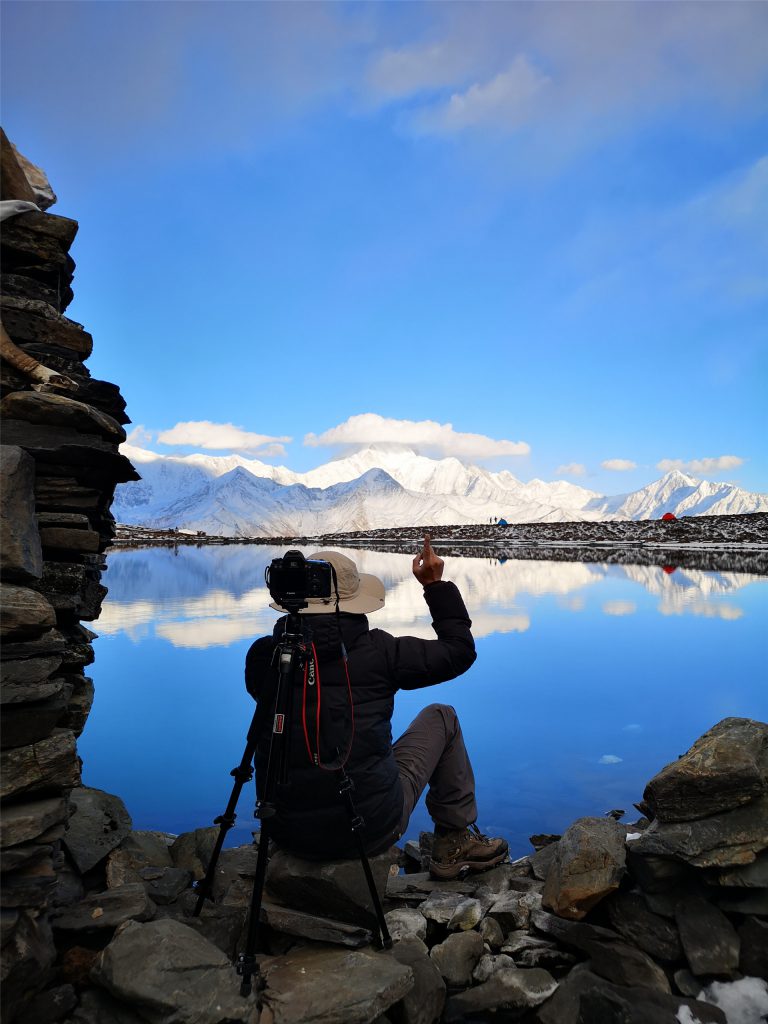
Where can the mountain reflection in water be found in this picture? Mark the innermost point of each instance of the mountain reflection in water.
(589, 678)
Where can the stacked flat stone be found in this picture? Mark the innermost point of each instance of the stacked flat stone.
(60, 465)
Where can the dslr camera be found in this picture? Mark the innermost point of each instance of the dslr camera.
(293, 578)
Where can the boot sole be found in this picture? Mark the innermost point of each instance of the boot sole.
(449, 872)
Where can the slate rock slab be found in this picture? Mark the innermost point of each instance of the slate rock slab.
(627, 1005)
(290, 921)
(171, 975)
(406, 923)
(457, 957)
(20, 554)
(103, 910)
(193, 850)
(165, 884)
(425, 1002)
(99, 823)
(726, 767)
(709, 940)
(655, 935)
(317, 985)
(48, 764)
(721, 840)
(509, 988)
(588, 863)
(27, 821)
(753, 960)
(337, 889)
(24, 614)
(99, 1007)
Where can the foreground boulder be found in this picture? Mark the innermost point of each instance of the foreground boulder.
(588, 863)
(319, 985)
(171, 975)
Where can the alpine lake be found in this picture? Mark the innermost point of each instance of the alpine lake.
(589, 678)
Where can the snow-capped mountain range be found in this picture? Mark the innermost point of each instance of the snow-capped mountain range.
(380, 487)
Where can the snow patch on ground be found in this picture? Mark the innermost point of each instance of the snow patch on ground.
(743, 1002)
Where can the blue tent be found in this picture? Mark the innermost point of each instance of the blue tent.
(502, 522)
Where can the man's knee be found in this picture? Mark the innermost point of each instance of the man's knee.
(444, 711)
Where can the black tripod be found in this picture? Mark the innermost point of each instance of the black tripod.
(291, 653)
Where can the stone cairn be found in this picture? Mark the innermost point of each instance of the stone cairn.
(607, 924)
(60, 464)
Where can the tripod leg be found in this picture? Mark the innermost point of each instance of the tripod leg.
(246, 962)
(242, 774)
(346, 785)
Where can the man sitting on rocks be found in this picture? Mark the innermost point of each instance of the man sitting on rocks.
(342, 715)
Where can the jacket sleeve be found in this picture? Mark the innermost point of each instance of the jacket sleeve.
(257, 663)
(414, 662)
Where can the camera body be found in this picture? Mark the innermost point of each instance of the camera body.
(293, 579)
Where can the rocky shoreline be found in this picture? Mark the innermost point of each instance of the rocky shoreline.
(737, 543)
(660, 921)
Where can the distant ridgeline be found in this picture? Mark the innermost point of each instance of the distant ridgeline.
(60, 463)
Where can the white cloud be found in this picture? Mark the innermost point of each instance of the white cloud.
(610, 759)
(619, 608)
(413, 69)
(140, 436)
(618, 465)
(571, 469)
(425, 436)
(715, 465)
(504, 102)
(222, 437)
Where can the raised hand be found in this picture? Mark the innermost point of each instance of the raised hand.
(427, 566)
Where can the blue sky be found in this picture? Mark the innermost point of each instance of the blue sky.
(543, 224)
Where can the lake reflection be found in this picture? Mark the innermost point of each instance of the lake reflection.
(589, 678)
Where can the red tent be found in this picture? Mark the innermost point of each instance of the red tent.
(668, 517)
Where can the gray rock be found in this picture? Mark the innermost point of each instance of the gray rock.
(165, 884)
(310, 926)
(751, 876)
(753, 960)
(222, 926)
(529, 951)
(27, 821)
(406, 923)
(709, 940)
(726, 767)
(419, 885)
(612, 958)
(571, 1004)
(99, 823)
(542, 860)
(24, 614)
(440, 906)
(488, 965)
(193, 850)
(730, 838)
(457, 957)
(513, 909)
(631, 917)
(31, 884)
(316, 985)
(588, 864)
(467, 914)
(491, 932)
(120, 869)
(57, 410)
(185, 980)
(743, 901)
(236, 863)
(80, 702)
(337, 889)
(28, 955)
(654, 874)
(49, 764)
(103, 910)
(508, 989)
(24, 724)
(99, 1007)
(686, 983)
(49, 1006)
(139, 849)
(425, 1002)
(29, 679)
(21, 557)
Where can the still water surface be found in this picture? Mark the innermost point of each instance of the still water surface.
(589, 678)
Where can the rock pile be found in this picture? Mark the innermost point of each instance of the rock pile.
(608, 923)
(60, 464)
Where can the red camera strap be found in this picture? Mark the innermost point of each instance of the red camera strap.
(312, 679)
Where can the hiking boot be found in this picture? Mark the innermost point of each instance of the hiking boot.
(467, 849)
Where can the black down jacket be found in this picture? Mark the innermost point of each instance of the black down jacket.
(312, 820)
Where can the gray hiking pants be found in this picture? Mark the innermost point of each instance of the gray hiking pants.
(431, 752)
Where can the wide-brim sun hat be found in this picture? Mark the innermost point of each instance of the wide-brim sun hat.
(359, 592)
